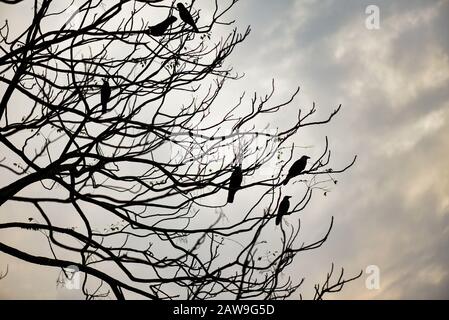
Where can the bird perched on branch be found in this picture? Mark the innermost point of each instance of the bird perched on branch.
(235, 183)
(159, 29)
(105, 95)
(296, 169)
(186, 16)
(283, 209)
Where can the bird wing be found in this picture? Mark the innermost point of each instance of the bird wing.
(283, 209)
(297, 167)
(186, 16)
(105, 91)
(236, 179)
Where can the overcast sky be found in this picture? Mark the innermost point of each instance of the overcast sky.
(392, 208)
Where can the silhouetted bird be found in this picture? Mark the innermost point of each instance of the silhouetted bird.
(105, 95)
(186, 16)
(283, 209)
(296, 169)
(159, 29)
(235, 183)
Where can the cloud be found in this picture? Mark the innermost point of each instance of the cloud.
(392, 208)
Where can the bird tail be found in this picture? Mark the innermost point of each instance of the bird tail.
(231, 195)
(104, 106)
(278, 220)
(286, 181)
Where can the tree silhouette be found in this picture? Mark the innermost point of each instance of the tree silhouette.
(130, 187)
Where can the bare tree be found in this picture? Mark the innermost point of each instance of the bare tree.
(140, 179)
